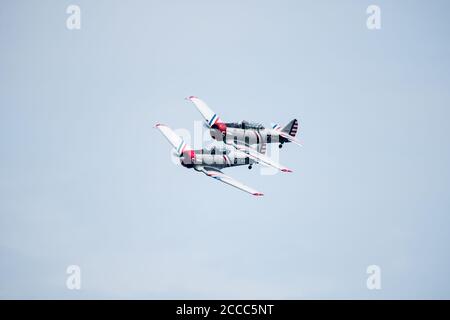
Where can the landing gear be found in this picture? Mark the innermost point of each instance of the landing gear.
(250, 167)
(280, 145)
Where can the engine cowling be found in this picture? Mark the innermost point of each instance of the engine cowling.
(222, 127)
(187, 159)
(218, 131)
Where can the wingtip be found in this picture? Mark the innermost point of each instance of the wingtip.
(191, 97)
(286, 170)
(258, 194)
(158, 125)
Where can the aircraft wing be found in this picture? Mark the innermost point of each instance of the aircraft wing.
(176, 141)
(259, 157)
(210, 116)
(219, 175)
(290, 138)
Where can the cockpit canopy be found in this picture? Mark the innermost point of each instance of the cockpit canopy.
(245, 125)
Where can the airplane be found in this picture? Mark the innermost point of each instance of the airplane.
(245, 132)
(243, 135)
(210, 162)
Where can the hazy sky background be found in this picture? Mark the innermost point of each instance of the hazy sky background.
(85, 179)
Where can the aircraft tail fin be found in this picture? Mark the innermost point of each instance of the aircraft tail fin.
(291, 128)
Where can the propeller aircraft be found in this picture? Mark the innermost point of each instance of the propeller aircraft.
(244, 144)
(244, 132)
(209, 162)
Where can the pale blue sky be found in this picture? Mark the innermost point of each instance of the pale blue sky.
(85, 179)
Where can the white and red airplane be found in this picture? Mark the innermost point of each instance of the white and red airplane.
(210, 161)
(245, 133)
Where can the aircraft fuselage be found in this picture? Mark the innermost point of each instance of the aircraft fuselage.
(248, 136)
(218, 159)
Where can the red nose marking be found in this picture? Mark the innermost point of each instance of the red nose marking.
(222, 127)
(192, 155)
